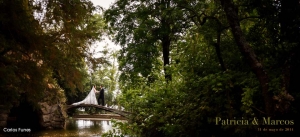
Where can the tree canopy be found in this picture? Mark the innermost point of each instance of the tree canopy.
(182, 63)
(44, 46)
(229, 59)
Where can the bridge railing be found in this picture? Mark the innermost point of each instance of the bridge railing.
(120, 112)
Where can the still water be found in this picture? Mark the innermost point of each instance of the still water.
(80, 128)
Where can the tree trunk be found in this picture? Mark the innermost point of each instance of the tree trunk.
(218, 51)
(165, 38)
(248, 53)
(166, 56)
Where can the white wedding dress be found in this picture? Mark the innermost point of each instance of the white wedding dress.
(90, 98)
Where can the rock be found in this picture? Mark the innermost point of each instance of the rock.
(45, 108)
(46, 118)
(4, 111)
(59, 119)
(54, 108)
(44, 111)
(3, 117)
(56, 123)
(45, 124)
(3, 123)
(52, 116)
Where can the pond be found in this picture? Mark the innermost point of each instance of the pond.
(93, 127)
(81, 127)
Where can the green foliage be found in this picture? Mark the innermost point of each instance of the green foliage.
(45, 43)
(200, 90)
(107, 76)
(126, 129)
(44, 55)
(146, 31)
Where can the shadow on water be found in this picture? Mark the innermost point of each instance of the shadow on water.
(80, 127)
(74, 128)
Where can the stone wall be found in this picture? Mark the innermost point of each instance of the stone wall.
(52, 116)
(4, 112)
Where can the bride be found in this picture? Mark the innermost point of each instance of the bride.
(90, 98)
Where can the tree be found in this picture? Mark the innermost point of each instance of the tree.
(255, 79)
(145, 30)
(106, 75)
(248, 53)
(44, 43)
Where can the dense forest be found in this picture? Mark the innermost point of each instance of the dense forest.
(45, 48)
(182, 65)
(185, 62)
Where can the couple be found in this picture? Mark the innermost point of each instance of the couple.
(91, 97)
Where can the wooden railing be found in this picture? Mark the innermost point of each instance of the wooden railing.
(119, 112)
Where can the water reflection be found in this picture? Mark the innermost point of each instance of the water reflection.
(81, 127)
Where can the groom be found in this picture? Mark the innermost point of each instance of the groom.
(101, 96)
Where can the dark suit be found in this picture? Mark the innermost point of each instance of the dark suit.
(101, 97)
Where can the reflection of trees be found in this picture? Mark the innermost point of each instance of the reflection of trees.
(87, 127)
(96, 124)
(95, 127)
(72, 125)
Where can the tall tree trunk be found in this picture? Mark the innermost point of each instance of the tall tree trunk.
(166, 56)
(166, 40)
(248, 53)
(218, 51)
